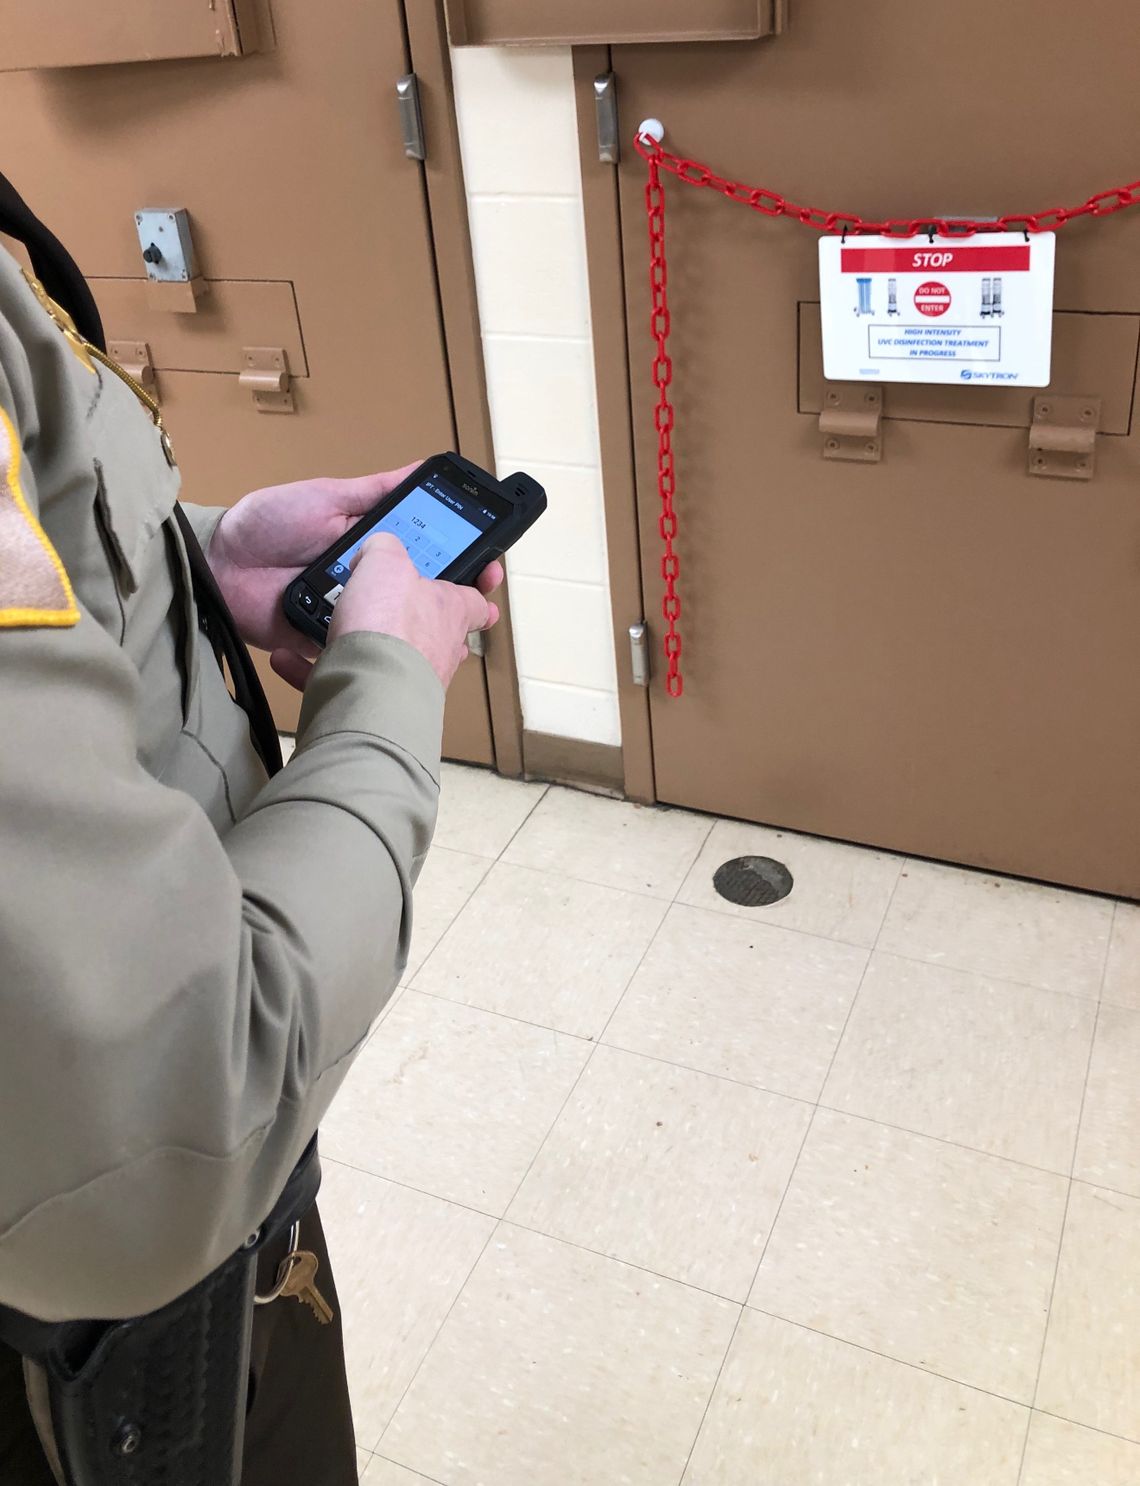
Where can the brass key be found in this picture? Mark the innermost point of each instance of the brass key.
(300, 1281)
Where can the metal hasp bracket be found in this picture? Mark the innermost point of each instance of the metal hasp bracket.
(134, 358)
(639, 653)
(605, 107)
(173, 279)
(411, 117)
(265, 373)
(1062, 437)
(851, 422)
(167, 247)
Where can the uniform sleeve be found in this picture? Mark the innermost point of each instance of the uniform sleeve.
(178, 1009)
(204, 521)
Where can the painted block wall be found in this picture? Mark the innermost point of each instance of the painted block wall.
(519, 137)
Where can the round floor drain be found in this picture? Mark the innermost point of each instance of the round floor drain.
(753, 882)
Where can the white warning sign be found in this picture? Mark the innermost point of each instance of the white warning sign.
(950, 309)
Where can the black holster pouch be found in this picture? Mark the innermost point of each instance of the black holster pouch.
(160, 1400)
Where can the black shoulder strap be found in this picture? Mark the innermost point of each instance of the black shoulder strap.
(58, 273)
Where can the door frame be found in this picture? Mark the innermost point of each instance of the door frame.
(605, 252)
(430, 60)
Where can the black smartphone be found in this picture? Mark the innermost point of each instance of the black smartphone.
(453, 518)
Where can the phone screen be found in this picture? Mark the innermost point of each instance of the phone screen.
(436, 522)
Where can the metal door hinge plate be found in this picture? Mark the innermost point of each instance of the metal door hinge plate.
(639, 653)
(134, 358)
(851, 422)
(1062, 437)
(411, 117)
(605, 107)
(265, 373)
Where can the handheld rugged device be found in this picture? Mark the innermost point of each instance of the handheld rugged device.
(452, 517)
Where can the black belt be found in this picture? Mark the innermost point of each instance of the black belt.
(162, 1397)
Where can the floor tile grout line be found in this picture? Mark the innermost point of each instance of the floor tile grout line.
(613, 887)
(435, 1480)
(743, 1307)
(676, 901)
(1084, 1181)
(1045, 1328)
(1061, 1234)
(929, 1372)
(645, 1269)
(538, 799)
(1108, 950)
(1084, 1095)
(546, 1137)
(499, 1219)
(692, 867)
(810, 1128)
(494, 1217)
(1111, 1434)
(954, 1145)
(489, 867)
(776, 1217)
(491, 863)
(625, 990)
(740, 1083)
(709, 1400)
(597, 1043)
(759, 922)
(1025, 1444)
(379, 1176)
(430, 1348)
(783, 1198)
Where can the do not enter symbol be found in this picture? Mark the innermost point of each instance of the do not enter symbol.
(932, 298)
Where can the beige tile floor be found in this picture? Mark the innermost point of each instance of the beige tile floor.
(632, 1186)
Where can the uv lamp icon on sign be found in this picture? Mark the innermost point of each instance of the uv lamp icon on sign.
(864, 305)
(991, 299)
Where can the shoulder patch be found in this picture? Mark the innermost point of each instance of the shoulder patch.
(34, 588)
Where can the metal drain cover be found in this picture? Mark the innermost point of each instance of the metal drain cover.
(753, 882)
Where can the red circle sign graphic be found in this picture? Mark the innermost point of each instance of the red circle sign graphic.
(932, 298)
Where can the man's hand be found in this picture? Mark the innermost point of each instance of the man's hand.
(264, 541)
(386, 595)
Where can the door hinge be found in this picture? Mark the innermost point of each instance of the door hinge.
(265, 373)
(1062, 437)
(134, 357)
(851, 422)
(639, 653)
(411, 118)
(605, 107)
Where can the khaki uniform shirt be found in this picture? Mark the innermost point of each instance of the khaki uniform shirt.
(190, 955)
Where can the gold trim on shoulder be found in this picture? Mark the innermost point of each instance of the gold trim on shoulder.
(64, 321)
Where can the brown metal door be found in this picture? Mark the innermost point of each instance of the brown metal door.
(311, 225)
(937, 653)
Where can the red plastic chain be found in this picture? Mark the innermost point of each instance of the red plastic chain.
(663, 421)
(772, 204)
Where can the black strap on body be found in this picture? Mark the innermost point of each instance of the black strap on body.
(220, 629)
(58, 272)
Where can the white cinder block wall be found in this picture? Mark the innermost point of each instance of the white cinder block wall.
(519, 136)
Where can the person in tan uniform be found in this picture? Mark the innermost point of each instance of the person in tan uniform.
(191, 951)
